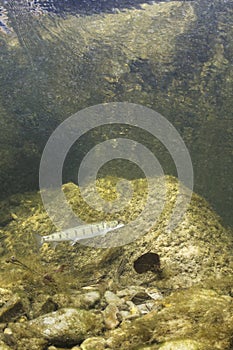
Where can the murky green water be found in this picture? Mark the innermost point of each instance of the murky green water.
(174, 57)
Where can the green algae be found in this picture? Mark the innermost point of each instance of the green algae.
(193, 314)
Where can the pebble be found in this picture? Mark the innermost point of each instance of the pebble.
(94, 343)
(110, 316)
(8, 335)
(91, 298)
(134, 312)
(112, 298)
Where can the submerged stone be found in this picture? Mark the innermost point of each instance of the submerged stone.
(110, 314)
(12, 309)
(185, 344)
(112, 298)
(65, 327)
(94, 343)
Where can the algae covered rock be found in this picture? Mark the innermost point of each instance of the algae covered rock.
(65, 327)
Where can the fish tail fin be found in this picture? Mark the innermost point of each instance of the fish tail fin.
(38, 239)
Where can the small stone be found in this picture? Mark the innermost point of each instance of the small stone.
(124, 315)
(94, 343)
(143, 309)
(22, 319)
(154, 293)
(110, 316)
(8, 331)
(129, 292)
(43, 305)
(52, 347)
(31, 344)
(186, 344)
(134, 312)
(12, 309)
(140, 298)
(112, 298)
(91, 298)
(8, 336)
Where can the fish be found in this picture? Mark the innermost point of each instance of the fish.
(78, 233)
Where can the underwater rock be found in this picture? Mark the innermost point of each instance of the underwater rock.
(78, 299)
(133, 309)
(139, 294)
(12, 309)
(91, 298)
(43, 304)
(110, 315)
(52, 347)
(186, 344)
(31, 344)
(145, 308)
(8, 336)
(84, 300)
(65, 327)
(94, 343)
(112, 298)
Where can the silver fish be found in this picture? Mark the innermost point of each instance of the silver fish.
(78, 233)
